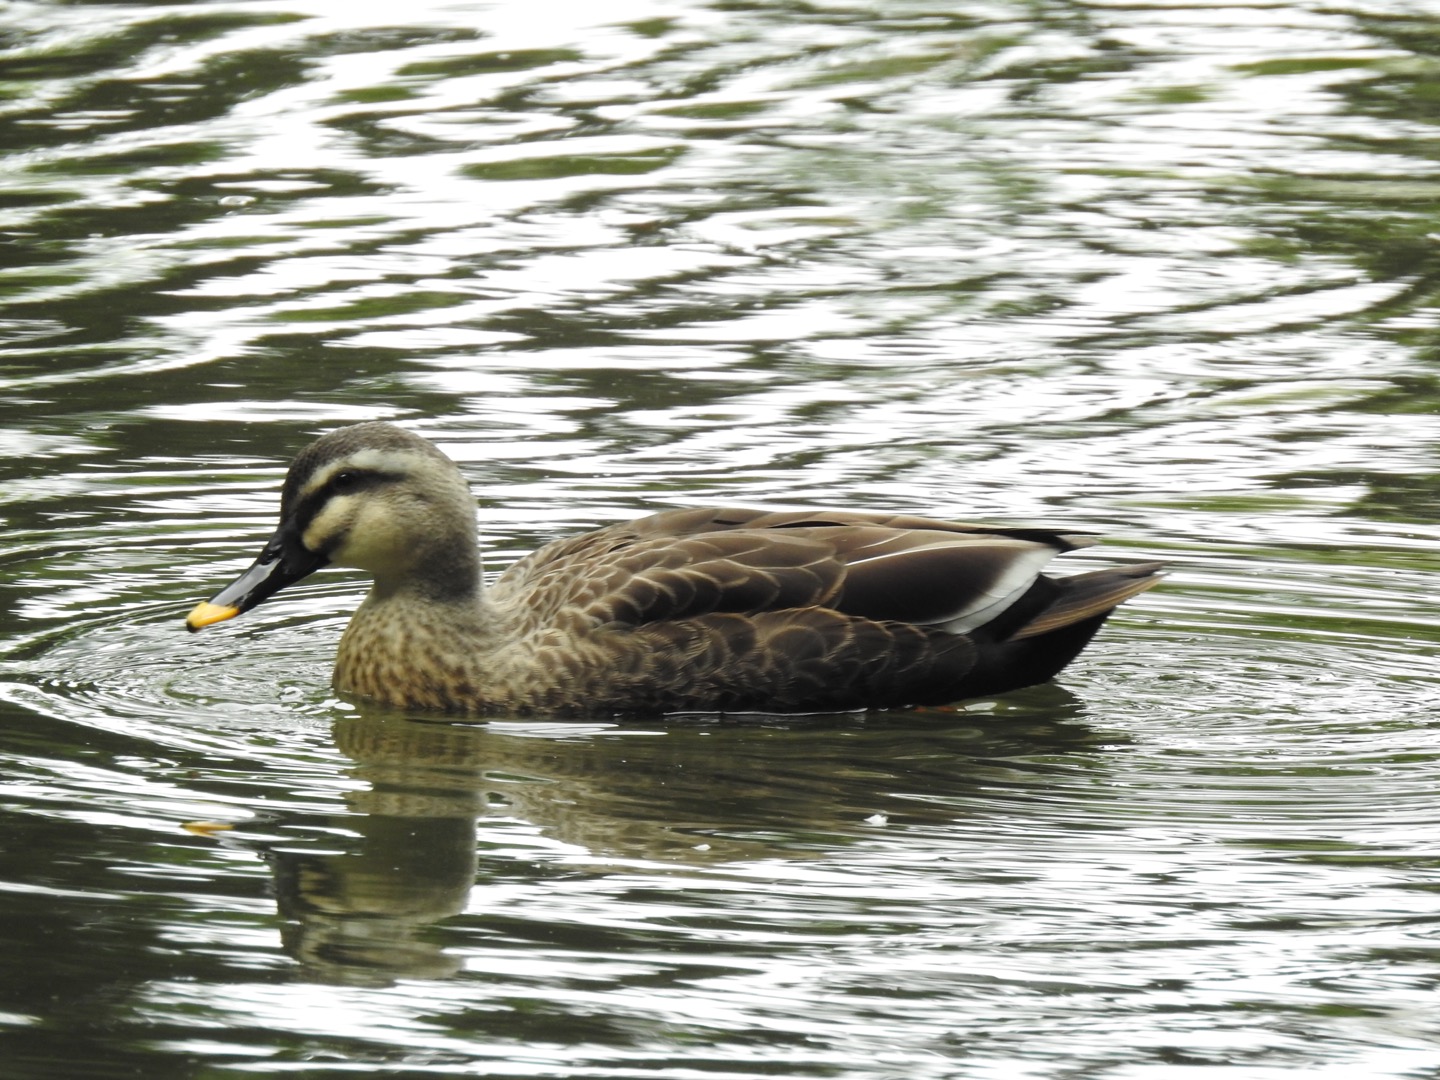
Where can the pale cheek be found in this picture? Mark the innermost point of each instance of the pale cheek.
(325, 527)
(357, 552)
(366, 540)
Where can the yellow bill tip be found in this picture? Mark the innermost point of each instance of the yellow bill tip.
(207, 613)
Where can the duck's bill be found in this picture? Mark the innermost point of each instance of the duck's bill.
(283, 562)
(207, 614)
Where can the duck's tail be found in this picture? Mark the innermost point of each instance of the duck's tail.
(1055, 621)
(1086, 596)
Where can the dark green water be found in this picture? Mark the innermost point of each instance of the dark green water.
(1164, 272)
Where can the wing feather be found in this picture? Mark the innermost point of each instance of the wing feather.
(687, 563)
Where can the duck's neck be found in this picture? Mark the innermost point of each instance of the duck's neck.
(426, 641)
(441, 575)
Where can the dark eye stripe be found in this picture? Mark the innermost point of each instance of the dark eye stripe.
(344, 482)
(349, 481)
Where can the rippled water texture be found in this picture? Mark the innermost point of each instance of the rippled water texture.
(1164, 272)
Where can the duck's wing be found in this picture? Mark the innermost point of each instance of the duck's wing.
(689, 563)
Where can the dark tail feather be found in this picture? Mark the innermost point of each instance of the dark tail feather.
(1070, 611)
(1084, 596)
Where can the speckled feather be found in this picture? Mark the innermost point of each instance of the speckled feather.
(686, 610)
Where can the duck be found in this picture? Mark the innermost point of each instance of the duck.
(696, 610)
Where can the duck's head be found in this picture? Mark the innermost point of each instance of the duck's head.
(374, 497)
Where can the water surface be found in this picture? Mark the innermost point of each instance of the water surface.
(1163, 271)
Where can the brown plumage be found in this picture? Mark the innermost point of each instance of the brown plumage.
(687, 610)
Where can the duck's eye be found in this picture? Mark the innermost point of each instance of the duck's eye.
(345, 480)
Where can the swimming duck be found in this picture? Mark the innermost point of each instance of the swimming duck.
(711, 610)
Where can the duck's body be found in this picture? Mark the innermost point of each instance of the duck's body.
(687, 610)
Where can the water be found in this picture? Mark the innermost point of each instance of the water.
(1166, 272)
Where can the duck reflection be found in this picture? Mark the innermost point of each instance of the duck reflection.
(408, 854)
(406, 857)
